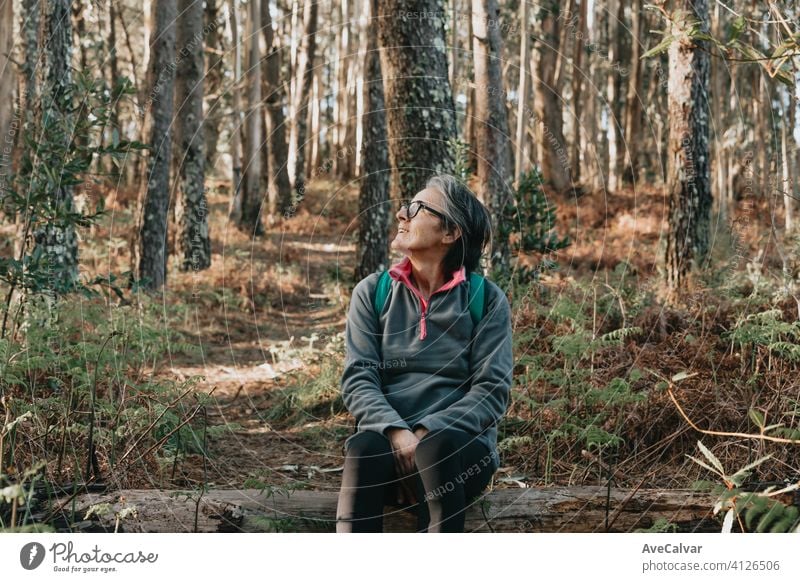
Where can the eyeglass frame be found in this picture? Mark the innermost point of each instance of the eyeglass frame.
(422, 206)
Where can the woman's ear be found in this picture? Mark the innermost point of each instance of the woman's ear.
(452, 234)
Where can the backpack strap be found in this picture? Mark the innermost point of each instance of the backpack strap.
(477, 295)
(382, 292)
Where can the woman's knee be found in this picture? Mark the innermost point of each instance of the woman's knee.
(437, 446)
(370, 446)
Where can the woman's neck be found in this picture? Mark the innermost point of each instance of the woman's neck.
(427, 276)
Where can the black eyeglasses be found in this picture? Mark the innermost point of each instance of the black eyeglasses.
(413, 208)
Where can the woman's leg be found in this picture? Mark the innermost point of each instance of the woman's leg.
(455, 468)
(368, 469)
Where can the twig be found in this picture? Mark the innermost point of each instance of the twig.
(728, 434)
(149, 428)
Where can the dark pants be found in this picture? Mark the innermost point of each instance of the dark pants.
(453, 468)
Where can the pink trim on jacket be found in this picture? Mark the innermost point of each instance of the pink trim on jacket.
(402, 272)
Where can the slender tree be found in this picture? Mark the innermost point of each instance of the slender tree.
(688, 180)
(373, 196)
(552, 146)
(494, 161)
(150, 248)
(279, 189)
(420, 115)
(247, 212)
(58, 240)
(302, 89)
(191, 207)
(236, 109)
(215, 73)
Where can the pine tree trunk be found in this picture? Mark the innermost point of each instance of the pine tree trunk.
(236, 107)
(494, 163)
(191, 207)
(612, 96)
(150, 250)
(521, 153)
(279, 189)
(688, 179)
(9, 117)
(421, 117)
(215, 73)
(633, 108)
(549, 126)
(249, 220)
(581, 38)
(374, 208)
(300, 96)
(58, 242)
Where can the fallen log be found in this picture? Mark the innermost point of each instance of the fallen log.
(552, 509)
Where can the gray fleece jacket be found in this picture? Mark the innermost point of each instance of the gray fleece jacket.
(424, 363)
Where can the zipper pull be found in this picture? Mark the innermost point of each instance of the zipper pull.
(423, 328)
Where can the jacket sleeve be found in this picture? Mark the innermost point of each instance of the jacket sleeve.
(492, 364)
(361, 381)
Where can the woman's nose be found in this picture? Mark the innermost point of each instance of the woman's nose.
(402, 214)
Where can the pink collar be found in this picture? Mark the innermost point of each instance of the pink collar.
(402, 272)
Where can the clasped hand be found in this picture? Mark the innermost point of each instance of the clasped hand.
(404, 446)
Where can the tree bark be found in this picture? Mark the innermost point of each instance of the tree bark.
(552, 509)
(150, 250)
(247, 218)
(191, 207)
(235, 20)
(494, 163)
(688, 179)
(9, 116)
(58, 242)
(633, 108)
(279, 188)
(373, 201)
(581, 38)
(612, 182)
(302, 83)
(215, 73)
(420, 117)
(521, 153)
(549, 126)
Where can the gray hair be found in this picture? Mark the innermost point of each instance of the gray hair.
(470, 215)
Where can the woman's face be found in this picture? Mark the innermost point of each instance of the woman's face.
(424, 232)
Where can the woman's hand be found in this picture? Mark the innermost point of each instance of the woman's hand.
(404, 445)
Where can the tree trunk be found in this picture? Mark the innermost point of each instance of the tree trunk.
(549, 127)
(191, 207)
(494, 163)
(150, 250)
(9, 116)
(633, 108)
(521, 153)
(236, 98)
(58, 242)
(249, 219)
(302, 83)
(421, 118)
(688, 179)
(612, 183)
(536, 509)
(279, 189)
(215, 73)
(373, 201)
(581, 38)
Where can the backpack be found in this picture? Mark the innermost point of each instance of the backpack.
(477, 295)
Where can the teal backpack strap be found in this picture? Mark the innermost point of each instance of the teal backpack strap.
(477, 299)
(382, 292)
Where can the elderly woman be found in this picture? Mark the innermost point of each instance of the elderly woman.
(427, 371)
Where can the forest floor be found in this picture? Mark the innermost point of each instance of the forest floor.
(262, 316)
